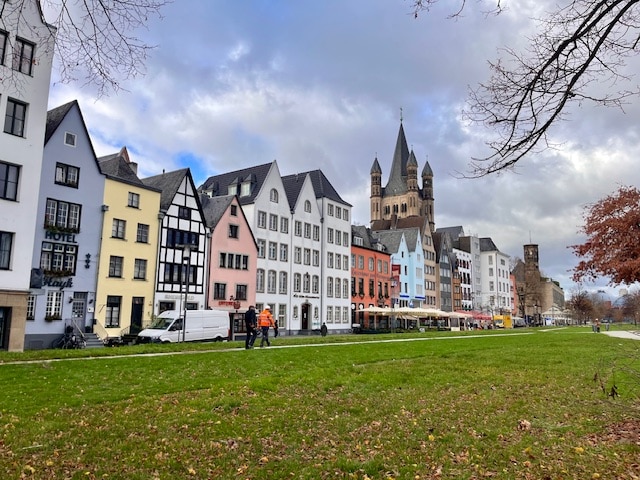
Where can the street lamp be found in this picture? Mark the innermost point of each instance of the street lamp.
(186, 256)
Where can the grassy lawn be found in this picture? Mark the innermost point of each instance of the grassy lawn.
(523, 404)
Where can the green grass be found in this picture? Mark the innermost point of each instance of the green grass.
(417, 406)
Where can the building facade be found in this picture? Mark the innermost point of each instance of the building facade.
(26, 53)
(67, 237)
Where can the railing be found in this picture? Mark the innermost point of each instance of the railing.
(100, 331)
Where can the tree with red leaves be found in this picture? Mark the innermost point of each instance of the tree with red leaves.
(612, 249)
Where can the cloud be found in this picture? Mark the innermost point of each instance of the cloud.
(321, 84)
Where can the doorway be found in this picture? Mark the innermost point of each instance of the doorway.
(304, 311)
(5, 326)
(137, 308)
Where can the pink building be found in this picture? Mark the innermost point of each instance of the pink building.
(232, 259)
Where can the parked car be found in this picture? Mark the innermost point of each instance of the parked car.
(201, 325)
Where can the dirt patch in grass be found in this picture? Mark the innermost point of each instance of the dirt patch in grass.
(623, 432)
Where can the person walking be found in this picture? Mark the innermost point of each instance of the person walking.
(250, 320)
(323, 329)
(265, 320)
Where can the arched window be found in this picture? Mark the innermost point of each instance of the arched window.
(307, 206)
(273, 195)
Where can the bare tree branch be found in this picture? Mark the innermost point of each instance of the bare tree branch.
(579, 47)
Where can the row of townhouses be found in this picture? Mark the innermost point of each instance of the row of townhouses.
(85, 242)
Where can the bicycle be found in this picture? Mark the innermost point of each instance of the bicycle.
(70, 341)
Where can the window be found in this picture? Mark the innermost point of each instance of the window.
(260, 280)
(262, 219)
(297, 280)
(345, 288)
(338, 237)
(58, 257)
(67, 175)
(273, 251)
(112, 314)
(118, 228)
(338, 262)
(307, 230)
(273, 195)
(241, 292)
(184, 213)
(305, 283)
(140, 269)
(307, 206)
(284, 225)
(329, 260)
(338, 212)
(233, 231)
(115, 266)
(261, 247)
(70, 139)
(361, 262)
(182, 237)
(62, 215)
(23, 56)
(15, 117)
(53, 310)
(219, 291)
(316, 233)
(371, 264)
(337, 288)
(273, 222)
(133, 200)
(284, 252)
(233, 211)
(345, 214)
(9, 175)
(142, 234)
(345, 262)
(3, 45)
(330, 210)
(282, 283)
(345, 239)
(316, 258)
(315, 284)
(298, 228)
(31, 307)
(297, 255)
(329, 314)
(6, 243)
(330, 235)
(307, 256)
(271, 281)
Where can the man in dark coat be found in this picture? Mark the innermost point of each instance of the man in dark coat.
(250, 321)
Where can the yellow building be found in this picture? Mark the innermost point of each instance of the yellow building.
(128, 253)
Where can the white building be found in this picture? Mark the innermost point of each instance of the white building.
(496, 286)
(26, 52)
(296, 221)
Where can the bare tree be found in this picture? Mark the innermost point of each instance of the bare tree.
(96, 43)
(578, 45)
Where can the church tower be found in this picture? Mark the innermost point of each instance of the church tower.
(427, 195)
(376, 190)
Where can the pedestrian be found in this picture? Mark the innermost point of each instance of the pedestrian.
(275, 328)
(250, 321)
(265, 320)
(323, 329)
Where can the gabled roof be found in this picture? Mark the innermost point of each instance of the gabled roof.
(55, 117)
(117, 167)
(487, 245)
(390, 239)
(368, 239)
(455, 232)
(168, 184)
(321, 185)
(213, 208)
(218, 185)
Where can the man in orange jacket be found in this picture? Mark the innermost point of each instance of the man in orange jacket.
(265, 320)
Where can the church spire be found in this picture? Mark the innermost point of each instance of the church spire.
(397, 183)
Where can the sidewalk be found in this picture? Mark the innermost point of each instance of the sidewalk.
(635, 335)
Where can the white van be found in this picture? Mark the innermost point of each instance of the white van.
(201, 325)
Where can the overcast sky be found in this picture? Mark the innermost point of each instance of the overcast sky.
(320, 84)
